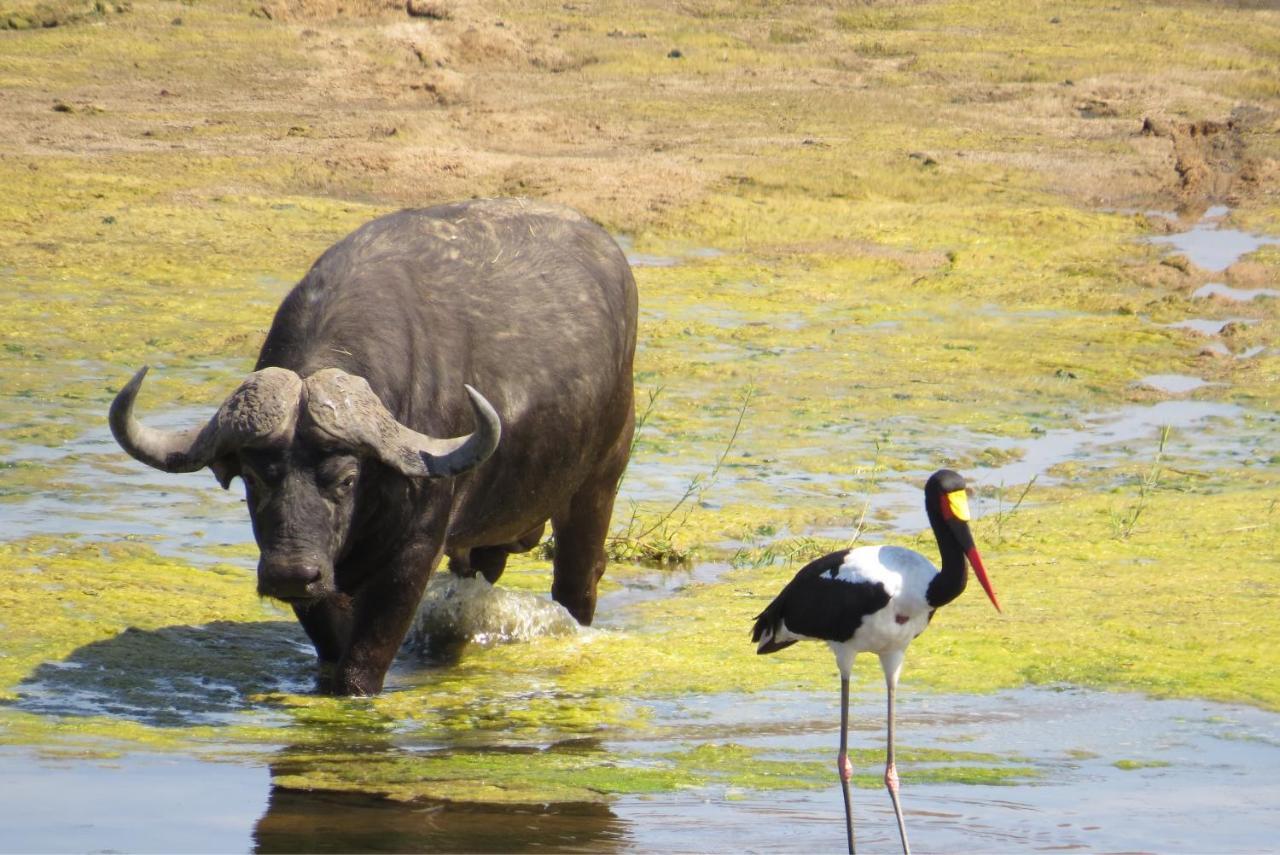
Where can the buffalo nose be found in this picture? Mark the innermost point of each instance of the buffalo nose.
(290, 580)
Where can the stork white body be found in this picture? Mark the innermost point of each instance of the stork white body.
(905, 576)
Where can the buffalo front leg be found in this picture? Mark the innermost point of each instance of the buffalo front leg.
(381, 615)
(327, 623)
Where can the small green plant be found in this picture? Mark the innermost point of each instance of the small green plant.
(641, 421)
(1122, 524)
(869, 477)
(656, 543)
(1001, 516)
(789, 551)
(793, 550)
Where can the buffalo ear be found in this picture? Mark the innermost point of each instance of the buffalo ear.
(224, 469)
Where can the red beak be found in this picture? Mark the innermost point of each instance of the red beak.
(975, 561)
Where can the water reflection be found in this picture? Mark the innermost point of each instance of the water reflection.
(310, 821)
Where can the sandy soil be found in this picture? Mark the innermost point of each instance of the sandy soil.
(615, 108)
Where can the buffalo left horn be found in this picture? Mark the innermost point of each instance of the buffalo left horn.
(264, 407)
(344, 406)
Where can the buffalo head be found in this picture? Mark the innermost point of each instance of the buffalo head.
(299, 444)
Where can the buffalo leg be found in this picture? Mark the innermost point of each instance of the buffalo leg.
(580, 535)
(384, 608)
(328, 625)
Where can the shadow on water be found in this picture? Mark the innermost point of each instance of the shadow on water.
(175, 676)
(318, 821)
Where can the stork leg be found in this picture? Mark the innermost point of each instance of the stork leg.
(891, 671)
(842, 761)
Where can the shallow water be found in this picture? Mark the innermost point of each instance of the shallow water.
(1173, 384)
(1207, 327)
(456, 611)
(1211, 247)
(1180, 760)
(1235, 295)
(1107, 435)
(1205, 430)
(1114, 772)
(643, 259)
(135, 803)
(183, 514)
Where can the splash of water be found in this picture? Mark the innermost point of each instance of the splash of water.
(455, 610)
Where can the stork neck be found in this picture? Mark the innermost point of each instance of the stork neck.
(950, 582)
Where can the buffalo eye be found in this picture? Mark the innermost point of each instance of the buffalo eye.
(343, 482)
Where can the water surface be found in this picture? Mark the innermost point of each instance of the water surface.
(1114, 773)
(1210, 246)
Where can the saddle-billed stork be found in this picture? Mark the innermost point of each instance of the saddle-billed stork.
(876, 599)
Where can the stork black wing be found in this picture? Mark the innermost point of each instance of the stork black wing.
(817, 604)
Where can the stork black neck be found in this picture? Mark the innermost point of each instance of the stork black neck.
(953, 539)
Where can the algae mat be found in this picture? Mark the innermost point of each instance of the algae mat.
(869, 240)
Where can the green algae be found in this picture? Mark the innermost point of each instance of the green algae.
(1134, 765)
(113, 676)
(166, 281)
(1065, 546)
(63, 595)
(586, 772)
(524, 777)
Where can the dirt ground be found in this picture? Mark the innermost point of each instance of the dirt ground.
(632, 111)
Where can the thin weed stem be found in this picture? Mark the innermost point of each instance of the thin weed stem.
(630, 543)
(1124, 524)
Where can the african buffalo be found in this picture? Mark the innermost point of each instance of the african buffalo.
(375, 356)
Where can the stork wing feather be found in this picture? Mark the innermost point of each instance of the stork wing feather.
(818, 604)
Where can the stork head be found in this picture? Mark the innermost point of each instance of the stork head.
(947, 503)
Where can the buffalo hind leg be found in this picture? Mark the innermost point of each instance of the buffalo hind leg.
(580, 532)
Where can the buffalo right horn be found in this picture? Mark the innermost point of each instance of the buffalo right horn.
(345, 407)
(264, 407)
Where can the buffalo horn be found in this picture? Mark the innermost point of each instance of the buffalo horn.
(344, 406)
(265, 406)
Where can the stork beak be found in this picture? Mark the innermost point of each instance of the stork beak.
(955, 507)
(975, 561)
